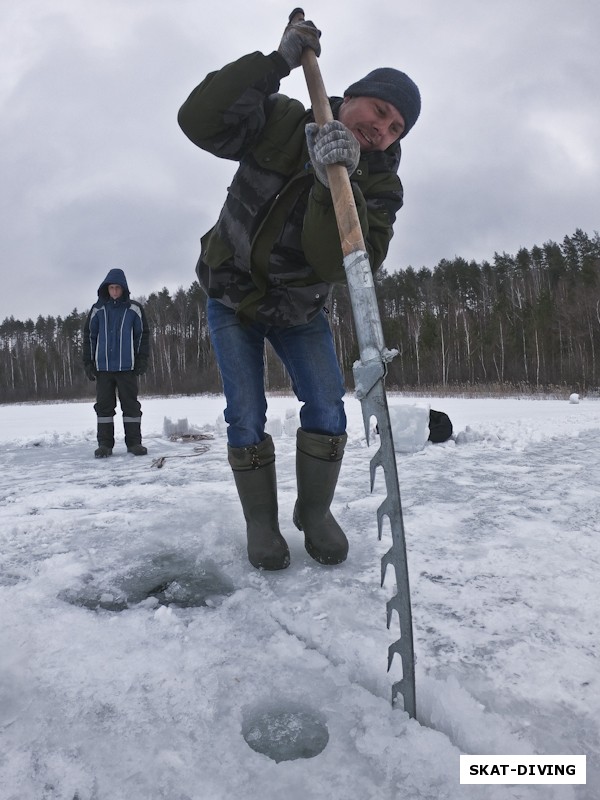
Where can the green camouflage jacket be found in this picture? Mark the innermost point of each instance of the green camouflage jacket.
(275, 250)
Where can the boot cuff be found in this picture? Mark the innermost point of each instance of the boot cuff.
(322, 446)
(252, 457)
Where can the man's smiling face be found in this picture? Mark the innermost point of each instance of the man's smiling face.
(375, 123)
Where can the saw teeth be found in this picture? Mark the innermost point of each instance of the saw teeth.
(393, 604)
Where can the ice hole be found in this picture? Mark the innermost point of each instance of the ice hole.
(94, 597)
(284, 731)
(168, 579)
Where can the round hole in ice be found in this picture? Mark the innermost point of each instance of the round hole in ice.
(284, 731)
(164, 580)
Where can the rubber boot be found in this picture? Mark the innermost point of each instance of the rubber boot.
(106, 439)
(255, 478)
(318, 463)
(133, 438)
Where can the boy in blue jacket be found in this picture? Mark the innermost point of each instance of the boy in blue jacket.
(116, 347)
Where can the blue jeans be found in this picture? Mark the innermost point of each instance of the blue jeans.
(308, 355)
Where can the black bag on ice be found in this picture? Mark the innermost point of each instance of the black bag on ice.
(440, 427)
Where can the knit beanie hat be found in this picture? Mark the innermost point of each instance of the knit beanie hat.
(393, 86)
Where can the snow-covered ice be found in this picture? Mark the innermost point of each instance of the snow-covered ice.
(142, 657)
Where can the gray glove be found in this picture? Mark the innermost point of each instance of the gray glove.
(295, 38)
(331, 144)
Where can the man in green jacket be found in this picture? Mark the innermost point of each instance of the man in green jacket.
(268, 264)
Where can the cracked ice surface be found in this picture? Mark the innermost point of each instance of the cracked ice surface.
(140, 654)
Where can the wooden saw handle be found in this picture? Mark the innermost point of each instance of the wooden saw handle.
(351, 237)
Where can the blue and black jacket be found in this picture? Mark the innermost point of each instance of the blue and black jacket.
(116, 333)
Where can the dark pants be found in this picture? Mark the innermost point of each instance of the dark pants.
(108, 384)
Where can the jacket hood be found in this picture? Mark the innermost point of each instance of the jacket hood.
(114, 276)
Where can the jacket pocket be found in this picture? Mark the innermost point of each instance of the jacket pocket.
(214, 252)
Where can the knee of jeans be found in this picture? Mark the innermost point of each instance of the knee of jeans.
(328, 418)
(245, 424)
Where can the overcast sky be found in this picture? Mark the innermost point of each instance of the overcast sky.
(95, 172)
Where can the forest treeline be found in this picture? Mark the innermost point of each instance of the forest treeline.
(524, 322)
